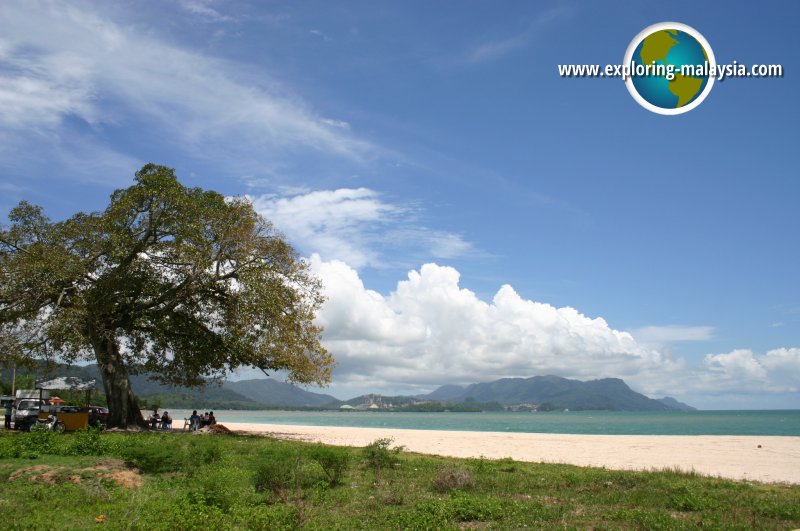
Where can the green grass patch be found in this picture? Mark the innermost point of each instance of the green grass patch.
(189, 481)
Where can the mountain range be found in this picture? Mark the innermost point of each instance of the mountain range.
(604, 394)
(553, 391)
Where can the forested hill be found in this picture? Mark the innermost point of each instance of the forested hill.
(247, 394)
(545, 392)
(272, 392)
(561, 393)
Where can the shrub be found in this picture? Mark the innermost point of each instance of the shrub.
(689, 498)
(86, 442)
(7, 447)
(205, 450)
(219, 486)
(32, 445)
(43, 441)
(378, 455)
(153, 457)
(333, 461)
(451, 478)
(277, 469)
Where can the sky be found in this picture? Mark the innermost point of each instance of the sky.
(472, 215)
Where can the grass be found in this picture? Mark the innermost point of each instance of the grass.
(187, 481)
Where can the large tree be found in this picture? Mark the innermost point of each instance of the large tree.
(179, 282)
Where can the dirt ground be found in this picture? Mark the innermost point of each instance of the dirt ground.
(112, 469)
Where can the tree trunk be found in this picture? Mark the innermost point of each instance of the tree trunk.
(122, 406)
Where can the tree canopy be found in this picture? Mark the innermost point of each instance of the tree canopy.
(179, 282)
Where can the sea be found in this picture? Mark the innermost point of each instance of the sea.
(775, 422)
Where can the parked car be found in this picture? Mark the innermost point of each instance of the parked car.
(27, 412)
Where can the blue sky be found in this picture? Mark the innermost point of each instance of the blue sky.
(472, 214)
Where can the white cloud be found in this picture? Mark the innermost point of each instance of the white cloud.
(660, 335)
(431, 331)
(448, 245)
(335, 223)
(63, 60)
(41, 89)
(203, 9)
(354, 225)
(742, 370)
(491, 50)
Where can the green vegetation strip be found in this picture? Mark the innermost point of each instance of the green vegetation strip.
(193, 481)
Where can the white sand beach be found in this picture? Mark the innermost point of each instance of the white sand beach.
(755, 458)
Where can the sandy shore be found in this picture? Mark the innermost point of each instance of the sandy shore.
(756, 458)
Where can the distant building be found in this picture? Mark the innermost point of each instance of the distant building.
(373, 401)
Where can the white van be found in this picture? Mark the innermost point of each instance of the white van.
(28, 406)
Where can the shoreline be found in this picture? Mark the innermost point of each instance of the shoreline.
(769, 459)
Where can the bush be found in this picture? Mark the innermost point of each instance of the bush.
(31, 445)
(277, 469)
(378, 455)
(205, 450)
(451, 478)
(44, 441)
(86, 442)
(219, 486)
(333, 461)
(153, 457)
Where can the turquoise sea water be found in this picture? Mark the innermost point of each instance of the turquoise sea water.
(782, 422)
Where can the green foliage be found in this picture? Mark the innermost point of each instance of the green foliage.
(436, 406)
(205, 450)
(333, 460)
(86, 442)
(277, 468)
(689, 497)
(459, 507)
(43, 441)
(178, 282)
(195, 400)
(155, 458)
(378, 456)
(240, 482)
(219, 486)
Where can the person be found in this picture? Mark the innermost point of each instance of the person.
(154, 418)
(166, 421)
(194, 421)
(94, 417)
(204, 420)
(211, 419)
(8, 412)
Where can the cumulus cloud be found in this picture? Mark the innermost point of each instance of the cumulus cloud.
(430, 331)
(743, 370)
(353, 225)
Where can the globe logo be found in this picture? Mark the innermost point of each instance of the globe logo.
(669, 65)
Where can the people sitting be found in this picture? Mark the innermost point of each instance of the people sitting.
(166, 421)
(194, 421)
(154, 419)
(197, 421)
